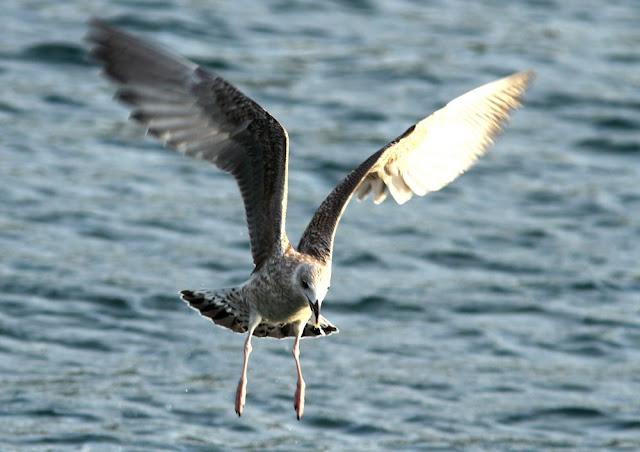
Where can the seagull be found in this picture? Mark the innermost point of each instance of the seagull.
(197, 113)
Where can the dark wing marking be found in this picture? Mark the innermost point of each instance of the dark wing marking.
(428, 156)
(201, 115)
(225, 307)
(282, 330)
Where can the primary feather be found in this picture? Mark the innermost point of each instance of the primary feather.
(425, 158)
(201, 115)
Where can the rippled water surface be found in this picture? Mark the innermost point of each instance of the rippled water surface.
(502, 313)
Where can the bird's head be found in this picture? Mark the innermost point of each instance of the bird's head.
(312, 281)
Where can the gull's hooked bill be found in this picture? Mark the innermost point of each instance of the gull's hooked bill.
(315, 309)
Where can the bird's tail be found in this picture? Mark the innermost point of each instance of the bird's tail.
(225, 307)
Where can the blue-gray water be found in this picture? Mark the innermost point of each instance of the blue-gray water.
(502, 313)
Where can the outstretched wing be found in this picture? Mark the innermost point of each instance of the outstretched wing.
(201, 115)
(428, 156)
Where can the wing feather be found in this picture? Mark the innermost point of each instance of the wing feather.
(201, 115)
(448, 142)
(428, 156)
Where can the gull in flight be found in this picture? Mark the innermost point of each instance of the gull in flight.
(199, 114)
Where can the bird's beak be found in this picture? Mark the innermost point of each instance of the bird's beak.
(315, 308)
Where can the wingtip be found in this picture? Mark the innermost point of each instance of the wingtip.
(531, 76)
(527, 76)
(186, 295)
(95, 27)
(97, 23)
(95, 37)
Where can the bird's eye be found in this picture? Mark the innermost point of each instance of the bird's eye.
(305, 285)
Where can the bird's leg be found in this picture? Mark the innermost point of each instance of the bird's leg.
(241, 392)
(298, 401)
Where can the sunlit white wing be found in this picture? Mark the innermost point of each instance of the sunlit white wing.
(425, 158)
(445, 144)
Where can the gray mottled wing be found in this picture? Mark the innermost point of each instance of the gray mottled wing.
(201, 115)
(428, 156)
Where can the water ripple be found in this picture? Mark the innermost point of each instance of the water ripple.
(56, 53)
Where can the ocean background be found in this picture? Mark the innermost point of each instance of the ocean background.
(502, 313)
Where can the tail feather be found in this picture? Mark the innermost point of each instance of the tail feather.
(282, 330)
(324, 328)
(227, 308)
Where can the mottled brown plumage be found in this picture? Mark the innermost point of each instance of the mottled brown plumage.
(199, 114)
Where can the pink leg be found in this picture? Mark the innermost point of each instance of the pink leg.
(298, 401)
(241, 392)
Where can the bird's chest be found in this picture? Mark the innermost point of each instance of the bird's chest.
(278, 305)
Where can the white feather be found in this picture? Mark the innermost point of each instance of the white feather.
(448, 142)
